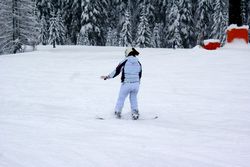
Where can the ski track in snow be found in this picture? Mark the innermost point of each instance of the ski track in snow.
(50, 98)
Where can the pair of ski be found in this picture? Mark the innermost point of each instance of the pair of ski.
(125, 118)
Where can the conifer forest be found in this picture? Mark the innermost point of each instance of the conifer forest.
(138, 23)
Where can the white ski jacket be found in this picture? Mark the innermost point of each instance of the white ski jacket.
(131, 70)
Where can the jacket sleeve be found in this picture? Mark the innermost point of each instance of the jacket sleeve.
(118, 69)
(140, 73)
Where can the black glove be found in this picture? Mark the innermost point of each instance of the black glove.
(104, 77)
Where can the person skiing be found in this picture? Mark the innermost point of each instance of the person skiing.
(131, 70)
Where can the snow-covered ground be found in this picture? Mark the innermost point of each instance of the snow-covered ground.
(50, 98)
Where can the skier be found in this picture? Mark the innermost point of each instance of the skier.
(131, 74)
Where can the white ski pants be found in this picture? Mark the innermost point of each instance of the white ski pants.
(126, 89)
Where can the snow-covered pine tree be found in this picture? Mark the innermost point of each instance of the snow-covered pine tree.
(186, 23)
(195, 4)
(220, 20)
(90, 25)
(167, 12)
(61, 29)
(150, 13)
(157, 35)
(21, 27)
(161, 13)
(166, 23)
(135, 16)
(109, 37)
(125, 34)
(53, 30)
(44, 7)
(83, 39)
(137, 8)
(248, 13)
(44, 33)
(173, 37)
(71, 14)
(160, 7)
(103, 8)
(7, 33)
(244, 14)
(203, 18)
(143, 36)
(29, 23)
(57, 5)
(116, 18)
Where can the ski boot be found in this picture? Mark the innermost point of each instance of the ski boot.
(118, 115)
(135, 115)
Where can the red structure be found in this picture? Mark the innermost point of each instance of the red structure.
(235, 32)
(211, 44)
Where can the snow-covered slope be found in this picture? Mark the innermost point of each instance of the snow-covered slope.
(49, 100)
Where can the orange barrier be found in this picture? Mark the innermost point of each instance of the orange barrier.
(237, 33)
(211, 45)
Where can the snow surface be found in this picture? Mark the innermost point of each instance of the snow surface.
(237, 44)
(211, 41)
(49, 100)
(234, 26)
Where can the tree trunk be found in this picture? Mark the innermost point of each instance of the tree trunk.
(54, 44)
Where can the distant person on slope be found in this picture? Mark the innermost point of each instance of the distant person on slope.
(131, 74)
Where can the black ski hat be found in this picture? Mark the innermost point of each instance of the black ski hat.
(134, 52)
